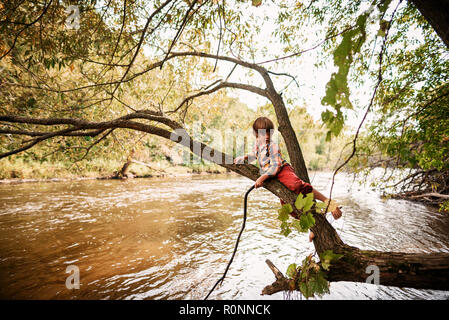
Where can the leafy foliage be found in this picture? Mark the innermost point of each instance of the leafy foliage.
(304, 204)
(310, 277)
(407, 124)
(408, 134)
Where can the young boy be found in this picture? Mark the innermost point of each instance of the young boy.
(272, 164)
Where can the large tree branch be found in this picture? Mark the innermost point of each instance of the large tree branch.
(81, 126)
(222, 85)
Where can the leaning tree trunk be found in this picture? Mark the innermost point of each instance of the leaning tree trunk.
(436, 13)
(414, 270)
(286, 129)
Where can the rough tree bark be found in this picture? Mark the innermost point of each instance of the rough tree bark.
(286, 130)
(436, 13)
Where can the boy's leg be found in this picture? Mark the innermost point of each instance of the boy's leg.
(289, 179)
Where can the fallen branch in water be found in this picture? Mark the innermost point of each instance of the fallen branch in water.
(281, 283)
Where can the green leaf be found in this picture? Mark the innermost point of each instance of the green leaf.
(306, 221)
(305, 290)
(297, 225)
(284, 212)
(330, 255)
(325, 265)
(318, 284)
(308, 202)
(291, 270)
(327, 257)
(286, 231)
(285, 228)
(299, 203)
(320, 205)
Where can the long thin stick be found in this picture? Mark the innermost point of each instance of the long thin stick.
(236, 244)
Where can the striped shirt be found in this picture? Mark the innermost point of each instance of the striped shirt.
(269, 158)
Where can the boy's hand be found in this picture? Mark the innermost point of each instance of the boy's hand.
(239, 160)
(260, 181)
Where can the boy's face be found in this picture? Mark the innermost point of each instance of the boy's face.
(262, 135)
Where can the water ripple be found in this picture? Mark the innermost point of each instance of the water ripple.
(172, 238)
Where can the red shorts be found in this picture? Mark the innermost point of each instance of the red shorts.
(289, 179)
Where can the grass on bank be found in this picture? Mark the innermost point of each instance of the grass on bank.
(19, 168)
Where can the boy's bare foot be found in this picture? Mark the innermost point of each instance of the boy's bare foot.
(311, 236)
(337, 213)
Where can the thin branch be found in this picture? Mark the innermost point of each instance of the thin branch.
(222, 85)
(309, 49)
(36, 141)
(220, 36)
(95, 143)
(42, 133)
(178, 33)
(26, 26)
(142, 37)
(379, 80)
(121, 32)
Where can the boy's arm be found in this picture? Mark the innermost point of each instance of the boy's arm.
(253, 154)
(261, 180)
(318, 195)
(250, 157)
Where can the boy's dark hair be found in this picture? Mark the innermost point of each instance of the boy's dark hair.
(263, 123)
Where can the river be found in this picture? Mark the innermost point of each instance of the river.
(171, 238)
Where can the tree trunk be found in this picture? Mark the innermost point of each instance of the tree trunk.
(436, 13)
(289, 135)
(412, 270)
(123, 173)
(286, 129)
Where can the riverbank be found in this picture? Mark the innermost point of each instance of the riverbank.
(17, 181)
(20, 171)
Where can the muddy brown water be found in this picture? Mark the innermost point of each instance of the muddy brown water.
(170, 238)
